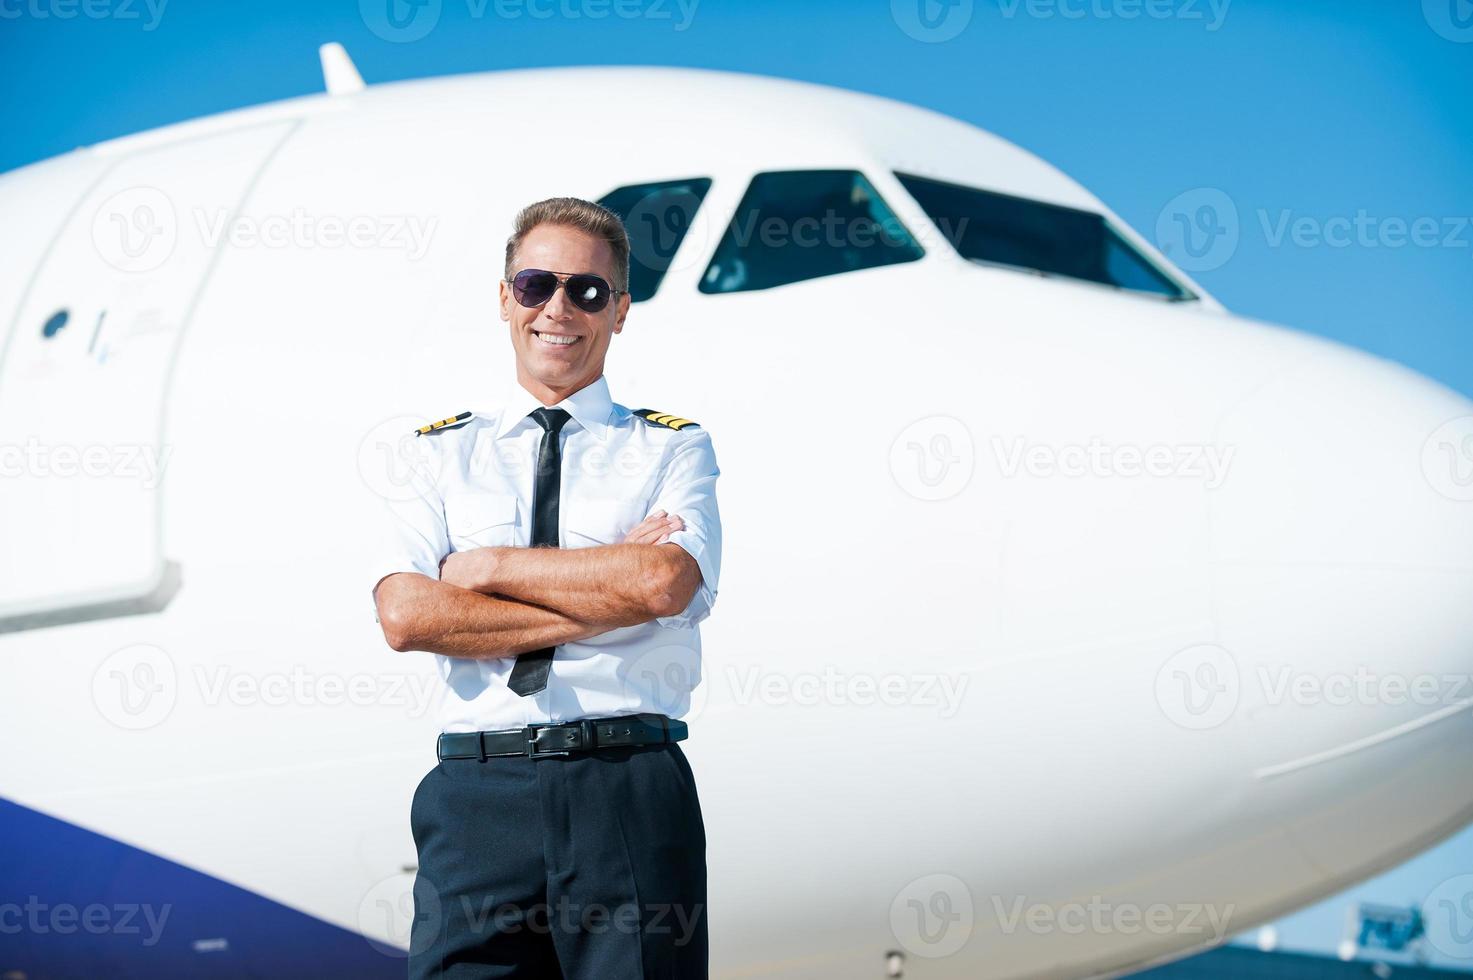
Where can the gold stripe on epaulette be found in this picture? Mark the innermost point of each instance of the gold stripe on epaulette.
(666, 419)
(426, 429)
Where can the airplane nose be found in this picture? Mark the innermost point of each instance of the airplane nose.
(1342, 559)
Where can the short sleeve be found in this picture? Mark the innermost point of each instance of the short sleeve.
(688, 488)
(412, 533)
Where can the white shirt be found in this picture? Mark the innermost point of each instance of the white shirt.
(472, 488)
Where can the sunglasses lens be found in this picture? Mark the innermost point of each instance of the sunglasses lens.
(533, 287)
(589, 293)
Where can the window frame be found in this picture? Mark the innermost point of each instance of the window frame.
(737, 212)
(1186, 293)
(701, 199)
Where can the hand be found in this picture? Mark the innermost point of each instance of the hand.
(474, 569)
(655, 529)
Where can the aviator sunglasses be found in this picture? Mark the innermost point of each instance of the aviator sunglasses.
(534, 287)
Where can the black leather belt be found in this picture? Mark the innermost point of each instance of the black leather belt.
(540, 741)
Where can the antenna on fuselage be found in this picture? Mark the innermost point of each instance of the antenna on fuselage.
(339, 73)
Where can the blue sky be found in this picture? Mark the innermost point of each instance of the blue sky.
(1334, 140)
(1327, 114)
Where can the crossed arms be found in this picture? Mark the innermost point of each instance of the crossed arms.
(499, 602)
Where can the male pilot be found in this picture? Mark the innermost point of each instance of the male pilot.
(557, 556)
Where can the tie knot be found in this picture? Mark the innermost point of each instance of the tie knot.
(551, 419)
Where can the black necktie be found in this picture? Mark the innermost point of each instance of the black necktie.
(529, 675)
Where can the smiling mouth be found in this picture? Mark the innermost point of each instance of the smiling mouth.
(556, 340)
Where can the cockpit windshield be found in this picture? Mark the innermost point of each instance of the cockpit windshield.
(793, 226)
(1049, 239)
(656, 216)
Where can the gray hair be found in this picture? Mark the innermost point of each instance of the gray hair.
(574, 212)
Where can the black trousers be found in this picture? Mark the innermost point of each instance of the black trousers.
(590, 866)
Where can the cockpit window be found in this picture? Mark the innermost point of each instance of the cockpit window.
(797, 225)
(985, 226)
(656, 216)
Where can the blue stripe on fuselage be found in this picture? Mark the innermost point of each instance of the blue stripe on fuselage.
(77, 904)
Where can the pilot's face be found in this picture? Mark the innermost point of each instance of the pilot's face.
(562, 367)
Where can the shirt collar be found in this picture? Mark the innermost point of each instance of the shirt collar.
(590, 406)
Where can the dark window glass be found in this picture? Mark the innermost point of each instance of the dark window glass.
(657, 216)
(985, 226)
(799, 225)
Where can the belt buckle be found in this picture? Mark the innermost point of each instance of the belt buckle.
(532, 751)
(586, 727)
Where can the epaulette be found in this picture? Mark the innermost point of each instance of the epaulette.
(664, 418)
(453, 422)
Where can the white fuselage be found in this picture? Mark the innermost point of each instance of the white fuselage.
(924, 723)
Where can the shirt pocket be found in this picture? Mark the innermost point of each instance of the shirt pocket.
(586, 523)
(481, 521)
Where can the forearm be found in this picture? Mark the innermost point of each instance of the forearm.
(610, 585)
(419, 613)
